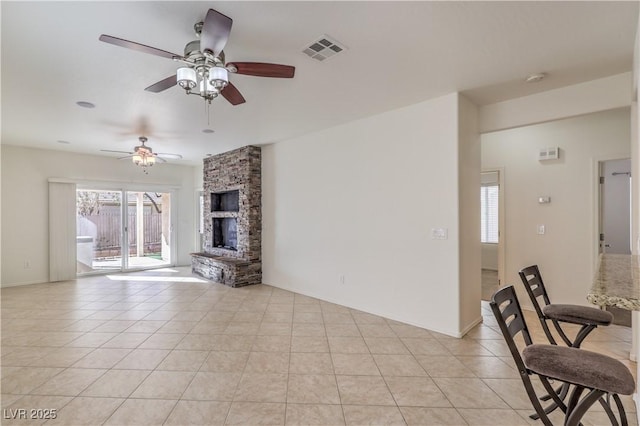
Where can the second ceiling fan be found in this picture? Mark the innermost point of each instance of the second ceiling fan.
(205, 72)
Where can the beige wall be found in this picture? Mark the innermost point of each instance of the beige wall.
(566, 253)
(468, 165)
(570, 101)
(25, 220)
(359, 201)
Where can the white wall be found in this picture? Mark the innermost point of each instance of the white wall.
(635, 204)
(25, 220)
(565, 253)
(570, 101)
(359, 201)
(468, 165)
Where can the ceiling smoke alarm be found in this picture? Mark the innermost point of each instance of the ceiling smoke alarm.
(323, 48)
(534, 78)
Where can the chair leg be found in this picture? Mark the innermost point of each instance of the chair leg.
(577, 407)
(547, 331)
(557, 395)
(562, 334)
(561, 393)
(582, 334)
(606, 404)
(621, 412)
(533, 397)
(563, 390)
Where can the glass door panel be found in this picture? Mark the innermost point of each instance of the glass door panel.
(148, 229)
(98, 230)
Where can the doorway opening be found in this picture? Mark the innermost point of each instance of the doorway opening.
(122, 230)
(492, 230)
(615, 217)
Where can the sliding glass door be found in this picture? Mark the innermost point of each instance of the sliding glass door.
(148, 229)
(122, 230)
(98, 230)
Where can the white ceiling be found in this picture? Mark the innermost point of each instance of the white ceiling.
(399, 53)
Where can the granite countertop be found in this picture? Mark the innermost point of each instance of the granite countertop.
(617, 282)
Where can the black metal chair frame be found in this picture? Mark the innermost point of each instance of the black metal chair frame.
(535, 288)
(506, 309)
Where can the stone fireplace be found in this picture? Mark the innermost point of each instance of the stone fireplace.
(232, 219)
(225, 233)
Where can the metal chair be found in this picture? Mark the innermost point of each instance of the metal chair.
(603, 377)
(587, 317)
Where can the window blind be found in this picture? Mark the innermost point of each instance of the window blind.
(489, 213)
(62, 231)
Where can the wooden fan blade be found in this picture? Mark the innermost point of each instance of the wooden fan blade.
(260, 69)
(162, 84)
(215, 32)
(232, 94)
(137, 46)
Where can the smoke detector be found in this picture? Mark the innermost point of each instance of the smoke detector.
(323, 48)
(534, 78)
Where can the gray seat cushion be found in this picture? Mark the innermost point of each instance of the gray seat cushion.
(577, 314)
(578, 366)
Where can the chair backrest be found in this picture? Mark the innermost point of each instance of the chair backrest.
(506, 309)
(534, 285)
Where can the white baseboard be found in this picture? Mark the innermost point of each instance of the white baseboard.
(469, 327)
(23, 283)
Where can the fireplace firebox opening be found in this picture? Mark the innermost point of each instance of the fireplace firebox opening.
(225, 233)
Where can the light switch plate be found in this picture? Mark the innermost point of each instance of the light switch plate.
(541, 229)
(439, 233)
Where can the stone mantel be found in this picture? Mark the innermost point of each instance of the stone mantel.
(617, 282)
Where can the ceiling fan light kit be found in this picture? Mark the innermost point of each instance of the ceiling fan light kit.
(144, 156)
(144, 161)
(204, 71)
(210, 82)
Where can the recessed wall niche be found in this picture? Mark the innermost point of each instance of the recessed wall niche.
(233, 219)
(228, 201)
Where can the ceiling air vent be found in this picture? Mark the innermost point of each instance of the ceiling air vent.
(323, 48)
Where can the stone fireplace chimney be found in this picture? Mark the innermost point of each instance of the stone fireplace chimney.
(232, 218)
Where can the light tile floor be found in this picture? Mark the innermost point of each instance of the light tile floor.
(164, 347)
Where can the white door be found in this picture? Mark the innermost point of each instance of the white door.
(615, 199)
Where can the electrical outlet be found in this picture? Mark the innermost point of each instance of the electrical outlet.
(27, 264)
(342, 279)
(541, 230)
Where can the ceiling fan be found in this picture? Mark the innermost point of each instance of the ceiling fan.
(144, 156)
(205, 72)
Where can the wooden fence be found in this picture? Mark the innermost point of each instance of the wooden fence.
(109, 234)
